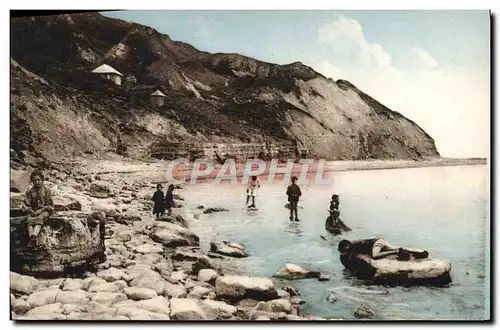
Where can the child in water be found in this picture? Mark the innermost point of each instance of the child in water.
(293, 192)
(39, 205)
(158, 196)
(252, 190)
(334, 210)
(169, 199)
(334, 203)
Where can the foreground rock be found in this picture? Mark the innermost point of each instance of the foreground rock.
(294, 272)
(229, 249)
(68, 241)
(217, 310)
(390, 271)
(186, 309)
(364, 312)
(24, 285)
(234, 288)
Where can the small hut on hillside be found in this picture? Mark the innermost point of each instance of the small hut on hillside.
(158, 98)
(109, 73)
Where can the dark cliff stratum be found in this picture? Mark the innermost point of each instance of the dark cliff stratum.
(60, 108)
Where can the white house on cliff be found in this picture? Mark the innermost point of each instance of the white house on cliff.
(109, 73)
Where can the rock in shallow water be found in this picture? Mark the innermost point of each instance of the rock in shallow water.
(390, 271)
(364, 312)
(331, 298)
(211, 210)
(294, 272)
(229, 249)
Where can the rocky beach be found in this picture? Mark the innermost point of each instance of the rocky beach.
(102, 107)
(153, 270)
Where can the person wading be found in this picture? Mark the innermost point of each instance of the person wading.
(252, 187)
(293, 192)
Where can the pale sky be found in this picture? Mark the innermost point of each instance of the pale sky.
(431, 66)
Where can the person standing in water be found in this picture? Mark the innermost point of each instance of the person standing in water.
(158, 196)
(38, 204)
(252, 187)
(335, 202)
(169, 199)
(293, 192)
(334, 210)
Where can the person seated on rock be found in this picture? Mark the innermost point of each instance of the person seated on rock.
(169, 199)
(377, 248)
(158, 198)
(252, 187)
(38, 204)
(293, 192)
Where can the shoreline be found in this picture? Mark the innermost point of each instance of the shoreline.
(127, 165)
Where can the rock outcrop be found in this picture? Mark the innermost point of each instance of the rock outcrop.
(68, 241)
(390, 271)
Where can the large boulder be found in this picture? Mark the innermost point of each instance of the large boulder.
(68, 241)
(235, 288)
(172, 235)
(390, 271)
(294, 272)
(229, 249)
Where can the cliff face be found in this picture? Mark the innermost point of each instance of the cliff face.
(58, 107)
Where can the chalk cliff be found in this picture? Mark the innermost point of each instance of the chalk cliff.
(60, 108)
